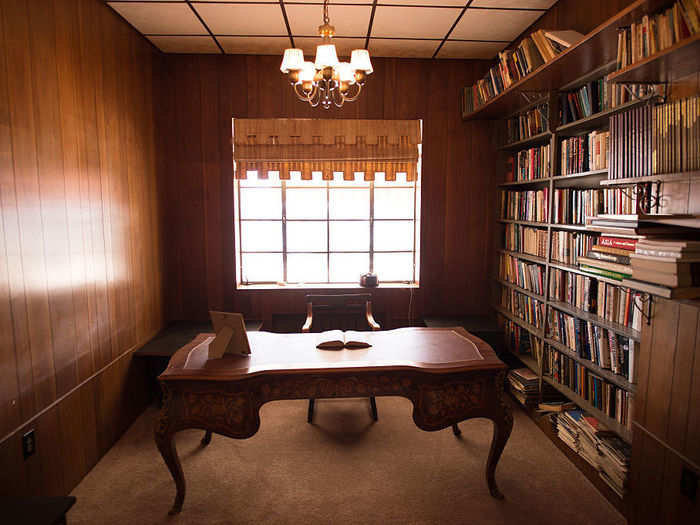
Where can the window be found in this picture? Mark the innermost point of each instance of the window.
(326, 230)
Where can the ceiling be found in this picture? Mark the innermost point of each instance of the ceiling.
(388, 28)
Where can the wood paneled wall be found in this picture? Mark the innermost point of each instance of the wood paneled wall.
(199, 96)
(667, 415)
(80, 256)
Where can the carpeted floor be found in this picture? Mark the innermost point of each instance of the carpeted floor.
(341, 470)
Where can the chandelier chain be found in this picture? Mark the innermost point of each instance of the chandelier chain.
(326, 18)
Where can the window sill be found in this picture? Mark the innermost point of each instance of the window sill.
(307, 286)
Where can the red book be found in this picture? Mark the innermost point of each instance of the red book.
(617, 242)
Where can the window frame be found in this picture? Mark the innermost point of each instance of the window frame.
(327, 185)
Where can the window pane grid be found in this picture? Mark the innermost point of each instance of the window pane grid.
(344, 205)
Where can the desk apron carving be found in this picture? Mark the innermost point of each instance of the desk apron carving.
(231, 407)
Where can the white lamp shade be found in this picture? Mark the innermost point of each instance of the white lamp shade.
(293, 60)
(326, 56)
(345, 72)
(307, 73)
(359, 61)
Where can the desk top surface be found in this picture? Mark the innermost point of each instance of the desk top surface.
(437, 350)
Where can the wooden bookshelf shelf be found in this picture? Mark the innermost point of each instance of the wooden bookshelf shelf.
(668, 65)
(597, 47)
(521, 290)
(570, 227)
(609, 422)
(576, 269)
(525, 223)
(609, 376)
(597, 120)
(523, 324)
(525, 256)
(682, 176)
(526, 183)
(586, 178)
(541, 138)
(603, 323)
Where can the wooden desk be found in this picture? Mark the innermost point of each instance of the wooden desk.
(449, 375)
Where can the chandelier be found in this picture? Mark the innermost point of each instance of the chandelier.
(326, 81)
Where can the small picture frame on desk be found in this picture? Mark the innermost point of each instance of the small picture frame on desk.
(231, 337)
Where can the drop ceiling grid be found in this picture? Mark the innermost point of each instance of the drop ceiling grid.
(388, 28)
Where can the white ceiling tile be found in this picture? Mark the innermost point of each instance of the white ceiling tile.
(161, 18)
(344, 46)
(347, 20)
(413, 22)
(403, 48)
(522, 4)
(254, 45)
(185, 44)
(243, 19)
(459, 49)
(430, 3)
(493, 24)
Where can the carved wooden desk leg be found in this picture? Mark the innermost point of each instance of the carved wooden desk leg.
(165, 441)
(502, 427)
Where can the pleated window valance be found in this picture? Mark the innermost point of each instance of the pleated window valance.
(349, 146)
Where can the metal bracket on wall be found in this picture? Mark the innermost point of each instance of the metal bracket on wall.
(645, 308)
(648, 199)
(655, 97)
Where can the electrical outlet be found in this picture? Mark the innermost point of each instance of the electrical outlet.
(689, 484)
(28, 444)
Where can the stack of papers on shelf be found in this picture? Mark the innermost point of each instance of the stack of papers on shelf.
(600, 447)
(614, 463)
(524, 385)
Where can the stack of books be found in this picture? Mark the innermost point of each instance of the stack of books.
(525, 205)
(599, 95)
(610, 257)
(524, 385)
(652, 140)
(614, 463)
(666, 267)
(654, 33)
(532, 52)
(600, 447)
(585, 153)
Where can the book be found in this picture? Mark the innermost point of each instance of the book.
(617, 242)
(566, 38)
(338, 339)
(605, 273)
(609, 257)
(605, 265)
(672, 280)
(610, 250)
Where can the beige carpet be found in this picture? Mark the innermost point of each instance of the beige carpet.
(343, 469)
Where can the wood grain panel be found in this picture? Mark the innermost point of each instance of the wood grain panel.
(663, 349)
(80, 275)
(199, 198)
(682, 378)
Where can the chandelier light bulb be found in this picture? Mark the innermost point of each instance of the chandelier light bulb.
(307, 73)
(359, 61)
(345, 72)
(326, 56)
(293, 60)
(326, 81)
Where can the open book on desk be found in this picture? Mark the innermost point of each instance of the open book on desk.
(337, 340)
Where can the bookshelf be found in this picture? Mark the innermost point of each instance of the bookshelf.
(594, 55)
(597, 47)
